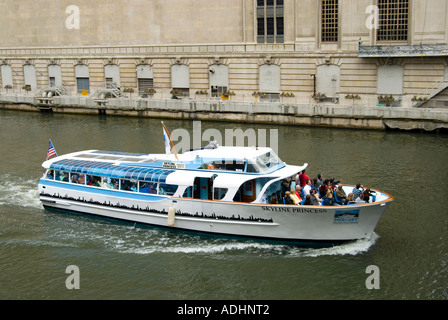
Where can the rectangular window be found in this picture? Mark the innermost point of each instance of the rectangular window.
(217, 91)
(144, 85)
(260, 30)
(147, 187)
(167, 189)
(270, 26)
(62, 176)
(109, 83)
(83, 85)
(393, 20)
(270, 23)
(280, 27)
(128, 185)
(50, 174)
(330, 20)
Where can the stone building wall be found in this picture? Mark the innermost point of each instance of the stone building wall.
(200, 33)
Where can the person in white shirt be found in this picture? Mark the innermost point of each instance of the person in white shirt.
(307, 187)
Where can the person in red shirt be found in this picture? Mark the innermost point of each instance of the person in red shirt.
(303, 178)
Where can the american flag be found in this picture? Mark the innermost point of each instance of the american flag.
(51, 151)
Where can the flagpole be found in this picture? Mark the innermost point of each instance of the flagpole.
(171, 142)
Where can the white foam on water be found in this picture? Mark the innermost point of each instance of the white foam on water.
(18, 191)
(193, 245)
(207, 247)
(37, 243)
(352, 248)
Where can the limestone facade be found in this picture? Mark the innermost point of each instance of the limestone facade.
(218, 45)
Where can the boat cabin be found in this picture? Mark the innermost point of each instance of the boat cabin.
(235, 174)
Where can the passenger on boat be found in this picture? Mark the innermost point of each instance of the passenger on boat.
(287, 198)
(350, 198)
(367, 194)
(74, 178)
(322, 190)
(314, 184)
(286, 185)
(303, 178)
(334, 183)
(104, 183)
(109, 183)
(151, 189)
(341, 195)
(94, 181)
(298, 192)
(308, 200)
(128, 185)
(357, 191)
(82, 179)
(273, 200)
(330, 185)
(294, 197)
(328, 200)
(315, 199)
(50, 174)
(307, 188)
(64, 177)
(320, 180)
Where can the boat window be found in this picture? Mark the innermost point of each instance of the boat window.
(128, 185)
(50, 174)
(94, 181)
(62, 176)
(109, 183)
(188, 193)
(77, 178)
(224, 165)
(263, 162)
(147, 187)
(167, 189)
(219, 193)
(271, 159)
(273, 193)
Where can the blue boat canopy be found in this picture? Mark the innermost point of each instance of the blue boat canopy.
(107, 169)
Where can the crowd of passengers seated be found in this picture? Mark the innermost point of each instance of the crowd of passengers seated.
(319, 191)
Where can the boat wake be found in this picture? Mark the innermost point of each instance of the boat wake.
(124, 239)
(17, 191)
(187, 244)
(352, 248)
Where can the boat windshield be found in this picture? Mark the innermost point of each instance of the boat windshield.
(263, 163)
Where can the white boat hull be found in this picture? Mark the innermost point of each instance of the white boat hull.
(312, 225)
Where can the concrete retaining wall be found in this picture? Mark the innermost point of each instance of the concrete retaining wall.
(378, 118)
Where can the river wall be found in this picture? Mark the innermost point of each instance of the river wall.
(326, 115)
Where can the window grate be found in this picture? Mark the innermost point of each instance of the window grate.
(330, 20)
(393, 20)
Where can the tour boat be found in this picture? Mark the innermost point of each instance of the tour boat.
(215, 190)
